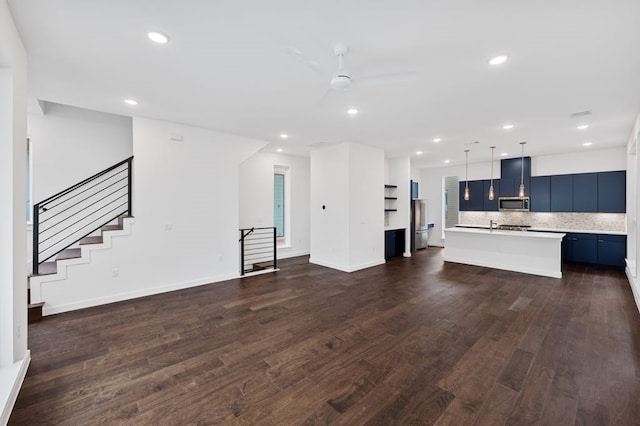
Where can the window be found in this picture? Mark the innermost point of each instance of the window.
(278, 204)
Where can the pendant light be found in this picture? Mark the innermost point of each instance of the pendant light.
(521, 191)
(466, 185)
(491, 194)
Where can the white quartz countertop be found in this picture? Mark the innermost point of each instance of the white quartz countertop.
(516, 234)
(579, 231)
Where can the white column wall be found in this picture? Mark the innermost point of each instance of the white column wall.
(366, 206)
(330, 189)
(14, 356)
(256, 198)
(347, 179)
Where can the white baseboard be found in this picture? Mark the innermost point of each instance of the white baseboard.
(11, 379)
(634, 287)
(51, 310)
(346, 268)
(292, 254)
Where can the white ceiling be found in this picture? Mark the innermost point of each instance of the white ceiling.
(226, 68)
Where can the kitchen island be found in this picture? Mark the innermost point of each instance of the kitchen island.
(537, 253)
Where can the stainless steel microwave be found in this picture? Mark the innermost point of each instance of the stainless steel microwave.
(513, 204)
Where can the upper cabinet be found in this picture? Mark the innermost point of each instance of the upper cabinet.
(476, 196)
(511, 174)
(540, 194)
(602, 192)
(612, 190)
(585, 192)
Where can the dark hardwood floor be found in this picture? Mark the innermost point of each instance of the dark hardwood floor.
(414, 341)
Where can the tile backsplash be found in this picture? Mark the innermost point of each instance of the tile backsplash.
(614, 222)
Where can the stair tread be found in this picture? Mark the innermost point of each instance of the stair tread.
(91, 240)
(69, 254)
(111, 228)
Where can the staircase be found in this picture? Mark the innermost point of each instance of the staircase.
(69, 225)
(258, 250)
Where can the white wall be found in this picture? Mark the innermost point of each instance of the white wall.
(14, 357)
(579, 162)
(70, 144)
(348, 180)
(186, 209)
(256, 198)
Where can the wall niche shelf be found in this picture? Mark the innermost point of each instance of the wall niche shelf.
(390, 198)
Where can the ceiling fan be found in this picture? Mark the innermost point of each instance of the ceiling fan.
(342, 79)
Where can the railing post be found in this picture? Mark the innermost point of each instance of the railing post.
(36, 231)
(241, 253)
(130, 186)
(275, 245)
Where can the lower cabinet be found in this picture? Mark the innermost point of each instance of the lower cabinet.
(394, 243)
(596, 249)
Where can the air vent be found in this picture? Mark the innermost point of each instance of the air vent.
(580, 114)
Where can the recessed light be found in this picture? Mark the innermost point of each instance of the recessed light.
(279, 149)
(131, 102)
(436, 140)
(582, 126)
(504, 154)
(284, 135)
(419, 152)
(497, 60)
(352, 111)
(587, 144)
(158, 37)
(446, 161)
(507, 126)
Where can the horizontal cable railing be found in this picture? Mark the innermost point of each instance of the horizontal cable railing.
(70, 215)
(257, 249)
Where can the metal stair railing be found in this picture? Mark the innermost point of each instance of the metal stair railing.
(73, 213)
(258, 249)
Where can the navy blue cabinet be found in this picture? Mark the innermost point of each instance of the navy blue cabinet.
(612, 192)
(540, 194)
(596, 249)
(393, 243)
(511, 175)
(491, 205)
(580, 248)
(612, 250)
(476, 196)
(562, 193)
(585, 192)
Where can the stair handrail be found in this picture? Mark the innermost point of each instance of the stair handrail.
(109, 216)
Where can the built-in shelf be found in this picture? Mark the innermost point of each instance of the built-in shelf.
(390, 199)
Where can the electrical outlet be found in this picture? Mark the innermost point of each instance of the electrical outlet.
(115, 273)
(168, 227)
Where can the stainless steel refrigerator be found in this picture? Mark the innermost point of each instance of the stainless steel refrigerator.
(419, 228)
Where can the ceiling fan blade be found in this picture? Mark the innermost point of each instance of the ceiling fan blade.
(302, 58)
(389, 78)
